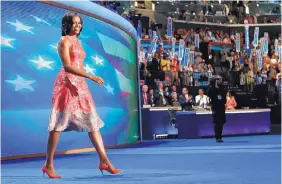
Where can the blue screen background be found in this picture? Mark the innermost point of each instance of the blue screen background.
(30, 33)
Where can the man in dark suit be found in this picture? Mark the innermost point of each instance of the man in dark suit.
(155, 67)
(160, 95)
(155, 63)
(151, 98)
(217, 96)
(185, 100)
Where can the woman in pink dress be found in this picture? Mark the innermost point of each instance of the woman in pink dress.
(231, 103)
(73, 108)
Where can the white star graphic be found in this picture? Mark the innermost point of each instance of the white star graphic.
(20, 83)
(88, 69)
(98, 60)
(21, 27)
(41, 63)
(109, 89)
(54, 46)
(40, 20)
(6, 41)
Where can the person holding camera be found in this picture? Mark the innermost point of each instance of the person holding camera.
(217, 96)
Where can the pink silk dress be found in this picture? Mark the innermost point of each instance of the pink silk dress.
(230, 103)
(73, 107)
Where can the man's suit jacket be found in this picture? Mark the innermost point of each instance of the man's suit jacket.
(151, 100)
(160, 98)
(187, 106)
(142, 99)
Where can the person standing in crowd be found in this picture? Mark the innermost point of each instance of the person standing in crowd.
(174, 69)
(187, 76)
(278, 84)
(166, 68)
(217, 96)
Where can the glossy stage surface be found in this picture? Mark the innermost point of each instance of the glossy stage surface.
(239, 160)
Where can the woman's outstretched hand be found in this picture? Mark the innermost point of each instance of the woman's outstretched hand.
(97, 79)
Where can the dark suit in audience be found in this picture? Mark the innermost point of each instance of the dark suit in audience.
(161, 99)
(186, 104)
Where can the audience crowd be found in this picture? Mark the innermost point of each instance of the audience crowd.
(165, 74)
(228, 12)
(166, 82)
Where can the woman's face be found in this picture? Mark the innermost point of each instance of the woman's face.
(76, 25)
(228, 94)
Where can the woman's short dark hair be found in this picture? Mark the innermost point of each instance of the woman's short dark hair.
(67, 23)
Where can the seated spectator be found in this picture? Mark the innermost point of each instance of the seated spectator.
(174, 91)
(202, 100)
(231, 103)
(151, 98)
(144, 96)
(174, 100)
(185, 100)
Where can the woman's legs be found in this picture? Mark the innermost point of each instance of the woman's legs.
(51, 147)
(97, 142)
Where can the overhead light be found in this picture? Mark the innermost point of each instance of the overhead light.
(172, 4)
(186, 5)
(257, 5)
(158, 2)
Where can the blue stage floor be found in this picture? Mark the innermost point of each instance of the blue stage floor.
(239, 160)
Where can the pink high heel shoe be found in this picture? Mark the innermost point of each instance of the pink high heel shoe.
(50, 175)
(107, 168)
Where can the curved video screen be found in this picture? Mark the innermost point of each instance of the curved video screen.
(30, 64)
